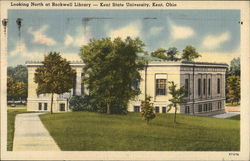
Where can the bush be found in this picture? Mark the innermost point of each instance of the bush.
(80, 103)
(115, 108)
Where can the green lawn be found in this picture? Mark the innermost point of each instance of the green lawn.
(82, 131)
(237, 117)
(11, 125)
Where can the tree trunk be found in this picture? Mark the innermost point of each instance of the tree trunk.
(175, 115)
(51, 106)
(108, 108)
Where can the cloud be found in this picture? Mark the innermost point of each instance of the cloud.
(132, 30)
(68, 40)
(21, 50)
(219, 57)
(81, 37)
(39, 37)
(155, 30)
(71, 56)
(215, 41)
(181, 32)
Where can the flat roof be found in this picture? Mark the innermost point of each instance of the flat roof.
(150, 63)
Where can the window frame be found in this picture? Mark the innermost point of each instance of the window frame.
(45, 106)
(204, 86)
(218, 85)
(164, 109)
(200, 108)
(158, 109)
(199, 87)
(187, 86)
(161, 91)
(209, 86)
(187, 109)
(40, 106)
(137, 109)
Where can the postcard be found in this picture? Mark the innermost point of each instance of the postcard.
(124, 80)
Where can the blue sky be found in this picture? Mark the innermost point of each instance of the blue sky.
(214, 33)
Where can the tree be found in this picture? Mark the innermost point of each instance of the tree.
(172, 54)
(190, 53)
(235, 67)
(178, 96)
(233, 88)
(16, 90)
(11, 94)
(147, 108)
(55, 76)
(160, 53)
(169, 55)
(110, 70)
(18, 76)
(21, 90)
(18, 73)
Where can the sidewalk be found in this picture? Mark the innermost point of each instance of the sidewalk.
(227, 115)
(31, 135)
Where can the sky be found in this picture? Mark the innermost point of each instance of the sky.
(214, 33)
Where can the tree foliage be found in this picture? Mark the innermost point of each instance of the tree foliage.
(178, 97)
(18, 73)
(111, 67)
(17, 83)
(233, 88)
(160, 53)
(190, 53)
(169, 55)
(233, 81)
(147, 109)
(16, 90)
(235, 67)
(55, 76)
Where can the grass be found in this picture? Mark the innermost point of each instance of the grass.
(11, 114)
(237, 117)
(83, 131)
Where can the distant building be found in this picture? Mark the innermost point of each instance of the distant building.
(205, 81)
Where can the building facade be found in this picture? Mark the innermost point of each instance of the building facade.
(205, 84)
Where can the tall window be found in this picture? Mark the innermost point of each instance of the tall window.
(199, 108)
(204, 86)
(209, 86)
(160, 87)
(187, 109)
(219, 105)
(164, 110)
(210, 108)
(157, 109)
(218, 85)
(82, 85)
(205, 107)
(136, 108)
(39, 106)
(199, 87)
(62, 106)
(136, 84)
(74, 87)
(186, 87)
(46, 106)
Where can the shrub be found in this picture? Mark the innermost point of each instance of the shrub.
(80, 103)
(147, 109)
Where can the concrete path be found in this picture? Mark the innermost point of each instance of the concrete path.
(31, 135)
(227, 115)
